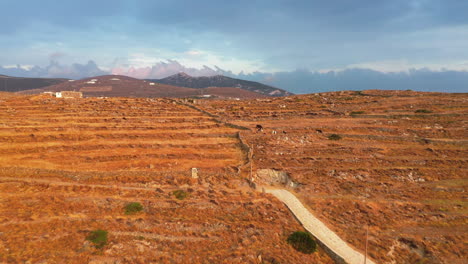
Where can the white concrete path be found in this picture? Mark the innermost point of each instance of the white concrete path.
(318, 229)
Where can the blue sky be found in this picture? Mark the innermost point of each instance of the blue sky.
(153, 39)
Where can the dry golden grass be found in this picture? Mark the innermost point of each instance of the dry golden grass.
(69, 166)
(399, 170)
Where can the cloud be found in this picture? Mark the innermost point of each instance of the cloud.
(304, 81)
(164, 69)
(275, 34)
(56, 56)
(55, 70)
(194, 53)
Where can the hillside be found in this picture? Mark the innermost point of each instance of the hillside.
(185, 80)
(15, 84)
(392, 161)
(395, 161)
(123, 86)
(71, 166)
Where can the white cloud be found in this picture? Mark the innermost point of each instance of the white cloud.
(24, 67)
(196, 62)
(194, 52)
(165, 68)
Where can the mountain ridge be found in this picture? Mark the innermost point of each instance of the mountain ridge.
(125, 86)
(182, 79)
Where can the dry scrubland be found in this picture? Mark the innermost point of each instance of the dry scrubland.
(399, 165)
(68, 167)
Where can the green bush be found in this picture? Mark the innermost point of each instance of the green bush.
(132, 208)
(334, 137)
(424, 111)
(302, 242)
(98, 238)
(180, 194)
(357, 113)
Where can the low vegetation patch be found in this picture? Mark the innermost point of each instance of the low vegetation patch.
(424, 111)
(98, 238)
(133, 208)
(334, 137)
(302, 242)
(180, 194)
(357, 113)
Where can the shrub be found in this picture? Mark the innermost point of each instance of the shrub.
(334, 137)
(132, 208)
(424, 111)
(302, 242)
(180, 194)
(357, 113)
(98, 238)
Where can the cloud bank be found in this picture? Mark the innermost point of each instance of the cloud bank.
(164, 69)
(299, 81)
(55, 70)
(263, 35)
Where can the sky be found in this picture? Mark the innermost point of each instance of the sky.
(272, 41)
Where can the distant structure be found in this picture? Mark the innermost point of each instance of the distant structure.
(194, 173)
(69, 94)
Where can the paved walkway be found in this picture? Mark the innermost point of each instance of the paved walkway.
(318, 229)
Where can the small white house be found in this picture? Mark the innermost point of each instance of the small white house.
(58, 94)
(152, 84)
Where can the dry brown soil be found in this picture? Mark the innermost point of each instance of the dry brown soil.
(400, 166)
(69, 166)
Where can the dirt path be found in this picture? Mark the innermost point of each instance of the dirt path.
(326, 236)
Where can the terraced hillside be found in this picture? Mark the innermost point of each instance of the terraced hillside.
(69, 167)
(395, 161)
(111, 135)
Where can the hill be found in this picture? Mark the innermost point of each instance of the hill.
(394, 161)
(185, 80)
(71, 167)
(124, 86)
(15, 84)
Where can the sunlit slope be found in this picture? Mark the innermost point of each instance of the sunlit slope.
(112, 134)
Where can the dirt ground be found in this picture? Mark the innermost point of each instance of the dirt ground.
(394, 161)
(68, 167)
(397, 164)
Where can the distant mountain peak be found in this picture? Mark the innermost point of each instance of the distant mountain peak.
(182, 74)
(185, 80)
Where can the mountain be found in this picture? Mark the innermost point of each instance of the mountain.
(185, 80)
(124, 86)
(15, 84)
